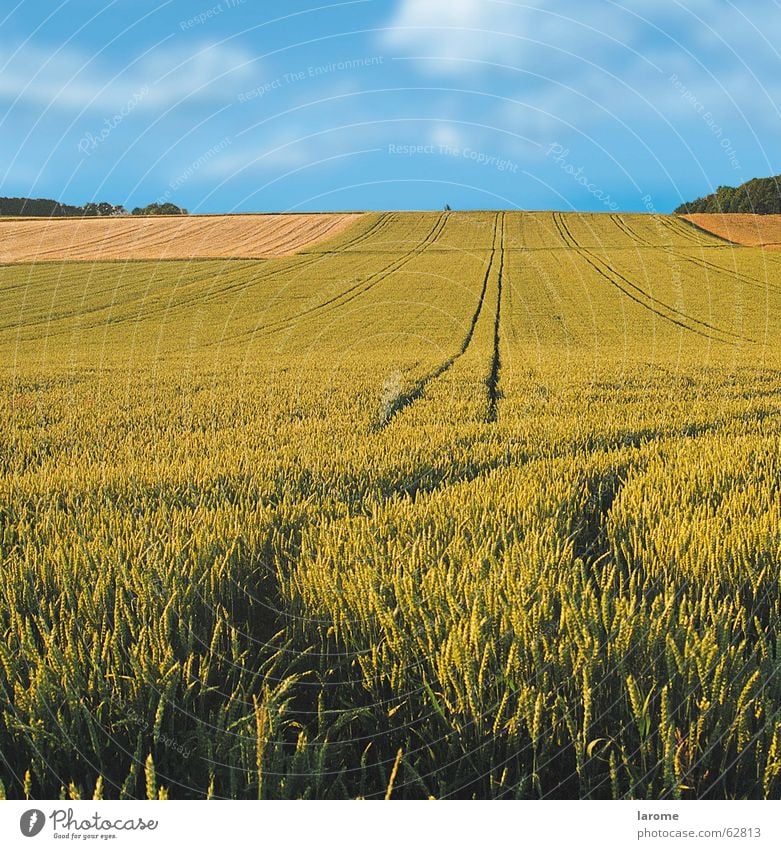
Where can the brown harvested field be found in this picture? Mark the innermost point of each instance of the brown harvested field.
(166, 237)
(763, 231)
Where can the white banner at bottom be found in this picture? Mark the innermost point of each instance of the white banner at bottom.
(551, 824)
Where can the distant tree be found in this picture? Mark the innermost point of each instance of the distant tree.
(100, 209)
(447, 208)
(160, 209)
(46, 208)
(761, 196)
(42, 207)
(725, 196)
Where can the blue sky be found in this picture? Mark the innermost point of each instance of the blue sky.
(388, 104)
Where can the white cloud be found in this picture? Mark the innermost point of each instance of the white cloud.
(446, 135)
(503, 32)
(294, 147)
(71, 80)
(210, 71)
(557, 37)
(579, 63)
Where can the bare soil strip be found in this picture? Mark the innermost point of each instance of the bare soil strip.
(166, 237)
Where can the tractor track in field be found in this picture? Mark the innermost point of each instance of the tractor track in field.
(308, 261)
(308, 258)
(762, 285)
(408, 398)
(642, 241)
(627, 230)
(369, 283)
(613, 276)
(138, 299)
(492, 383)
(245, 279)
(691, 232)
(349, 294)
(383, 220)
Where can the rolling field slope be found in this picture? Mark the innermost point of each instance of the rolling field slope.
(165, 237)
(743, 229)
(449, 504)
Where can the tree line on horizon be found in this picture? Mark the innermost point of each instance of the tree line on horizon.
(760, 196)
(47, 208)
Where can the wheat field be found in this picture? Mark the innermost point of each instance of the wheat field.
(451, 505)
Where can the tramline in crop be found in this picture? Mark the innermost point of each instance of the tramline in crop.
(453, 505)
